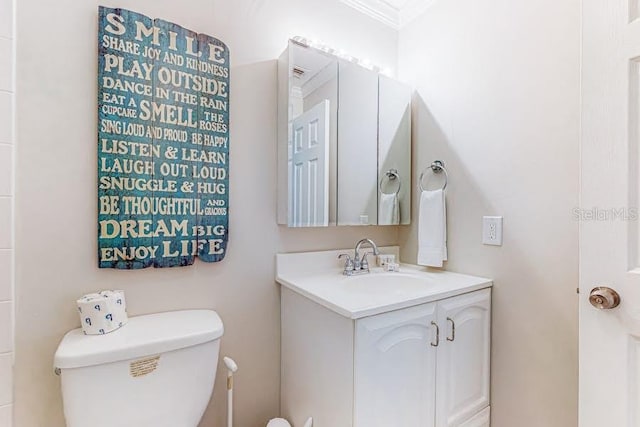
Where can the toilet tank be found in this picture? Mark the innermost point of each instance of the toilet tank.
(158, 370)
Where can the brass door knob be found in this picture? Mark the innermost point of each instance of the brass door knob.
(604, 298)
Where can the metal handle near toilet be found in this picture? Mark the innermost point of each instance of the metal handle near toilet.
(232, 368)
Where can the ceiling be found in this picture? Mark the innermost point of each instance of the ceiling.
(394, 13)
(398, 4)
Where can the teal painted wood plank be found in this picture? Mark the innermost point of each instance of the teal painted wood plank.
(213, 177)
(163, 143)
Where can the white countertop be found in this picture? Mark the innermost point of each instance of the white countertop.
(318, 276)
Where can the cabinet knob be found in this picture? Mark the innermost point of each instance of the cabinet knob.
(604, 298)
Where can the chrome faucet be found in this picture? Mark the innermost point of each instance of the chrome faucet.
(358, 264)
(362, 263)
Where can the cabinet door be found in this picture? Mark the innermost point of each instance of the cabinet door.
(395, 368)
(394, 143)
(463, 357)
(357, 145)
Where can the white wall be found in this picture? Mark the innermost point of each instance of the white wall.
(6, 211)
(257, 29)
(56, 190)
(498, 100)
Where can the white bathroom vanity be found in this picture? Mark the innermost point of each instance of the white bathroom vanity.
(383, 349)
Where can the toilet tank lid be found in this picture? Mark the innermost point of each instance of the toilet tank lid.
(142, 336)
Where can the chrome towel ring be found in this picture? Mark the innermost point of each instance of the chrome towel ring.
(392, 175)
(436, 167)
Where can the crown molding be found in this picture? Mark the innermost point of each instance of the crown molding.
(413, 9)
(377, 9)
(394, 13)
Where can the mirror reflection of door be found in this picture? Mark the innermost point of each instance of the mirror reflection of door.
(312, 142)
(310, 167)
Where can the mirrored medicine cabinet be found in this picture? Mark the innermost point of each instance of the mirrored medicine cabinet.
(344, 142)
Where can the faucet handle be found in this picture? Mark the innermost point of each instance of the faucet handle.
(345, 255)
(364, 263)
(348, 265)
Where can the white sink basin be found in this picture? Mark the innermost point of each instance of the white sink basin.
(317, 276)
(396, 283)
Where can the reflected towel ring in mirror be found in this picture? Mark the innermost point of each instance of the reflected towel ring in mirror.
(392, 175)
(436, 167)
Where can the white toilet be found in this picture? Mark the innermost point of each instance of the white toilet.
(158, 370)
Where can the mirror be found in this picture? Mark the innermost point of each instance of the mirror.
(344, 142)
(311, 137)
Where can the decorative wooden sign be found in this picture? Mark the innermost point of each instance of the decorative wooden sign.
(163, 143)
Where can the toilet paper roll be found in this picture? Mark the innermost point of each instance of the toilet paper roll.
(102, 312)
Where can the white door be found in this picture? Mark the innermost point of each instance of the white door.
(395, 362)
(463, 378)
(483, 419)
(609, 234)
(309, 170)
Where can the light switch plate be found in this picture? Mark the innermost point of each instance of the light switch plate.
(492, 230)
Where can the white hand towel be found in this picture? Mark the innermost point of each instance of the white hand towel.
(432, 229)
(389, 209)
